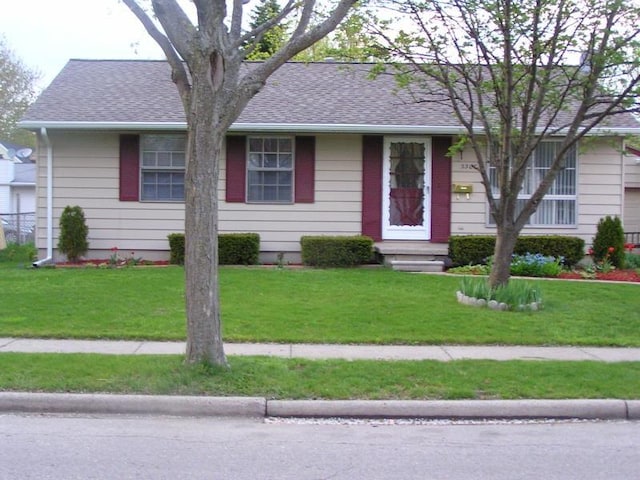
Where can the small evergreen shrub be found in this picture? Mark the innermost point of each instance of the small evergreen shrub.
(609, 235)
(238, 248)
(233, 248)
(176, 248)
(73, 233)
(326, 251)
(476, 249)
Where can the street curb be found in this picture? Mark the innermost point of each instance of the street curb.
(463, 409)
(132, 404)
(199, 406)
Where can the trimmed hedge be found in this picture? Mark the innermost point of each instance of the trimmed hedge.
(475, 249)
(233, 248)
(326, 251)
(176, 248)
(238, 248)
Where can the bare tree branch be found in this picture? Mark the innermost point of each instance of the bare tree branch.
(179, 73)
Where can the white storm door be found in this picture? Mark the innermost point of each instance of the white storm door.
(406, 191)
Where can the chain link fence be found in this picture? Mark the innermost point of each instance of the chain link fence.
(19, 227)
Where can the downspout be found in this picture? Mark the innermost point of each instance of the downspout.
(47, 143)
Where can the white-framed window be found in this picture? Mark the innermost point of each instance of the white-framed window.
(162, 167)
(270, 169)
(558, 207)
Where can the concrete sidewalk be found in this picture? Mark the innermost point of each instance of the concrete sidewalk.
(442, 353)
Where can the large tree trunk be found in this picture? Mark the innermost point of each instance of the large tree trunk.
(205, 143)
(501, 268)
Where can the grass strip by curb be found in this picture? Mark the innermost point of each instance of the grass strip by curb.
(276, 378)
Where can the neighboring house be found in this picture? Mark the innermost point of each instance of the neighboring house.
(322, 150)
(17, 179)
(17, 191)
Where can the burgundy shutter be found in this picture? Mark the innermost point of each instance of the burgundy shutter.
(129, 168)
(441, 190)
(372, 186)
(236, 169)
(305, 169)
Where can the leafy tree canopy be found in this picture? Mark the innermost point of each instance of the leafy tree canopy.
(17, 92)
(516, 73)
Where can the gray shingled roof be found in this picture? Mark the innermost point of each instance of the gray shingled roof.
(134, 91)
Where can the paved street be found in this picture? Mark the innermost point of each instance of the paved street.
(99, 447)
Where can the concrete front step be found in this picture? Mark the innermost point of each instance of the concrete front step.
(417, 265)
(413, 256)
(412, 248)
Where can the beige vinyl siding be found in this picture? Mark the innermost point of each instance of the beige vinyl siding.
(337, 209)
(599, 193)
(86, 173)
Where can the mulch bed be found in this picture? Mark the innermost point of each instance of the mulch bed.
(613, 276)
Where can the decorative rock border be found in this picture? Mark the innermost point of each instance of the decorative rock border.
(493, 304)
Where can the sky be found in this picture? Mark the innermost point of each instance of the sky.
(45, 34)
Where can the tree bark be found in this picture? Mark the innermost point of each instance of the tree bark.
(205, 142)
(501, 267)
(214, 94)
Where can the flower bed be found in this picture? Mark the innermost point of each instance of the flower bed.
(106, 263)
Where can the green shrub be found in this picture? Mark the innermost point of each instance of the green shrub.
(73, 233)
(18, 253)
(176, 248)
(233, 248)
(475, 249)
(608, 244)
(570, 249)
(471, 249)
(238, 248)
(631, 260)
(325, 251)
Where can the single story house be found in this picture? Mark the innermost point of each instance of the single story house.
(323, 149)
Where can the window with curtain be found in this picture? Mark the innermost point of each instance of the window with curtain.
(558, 207)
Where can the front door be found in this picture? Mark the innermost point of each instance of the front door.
(406, 198)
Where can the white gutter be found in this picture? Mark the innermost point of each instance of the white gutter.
(298, 127)
(47, 143)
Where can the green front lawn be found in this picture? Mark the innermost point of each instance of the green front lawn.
(308, 305)
(312, 379)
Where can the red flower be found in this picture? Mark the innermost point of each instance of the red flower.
(629, 246)
(590, 252)
(611, 249)
(114, 249)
